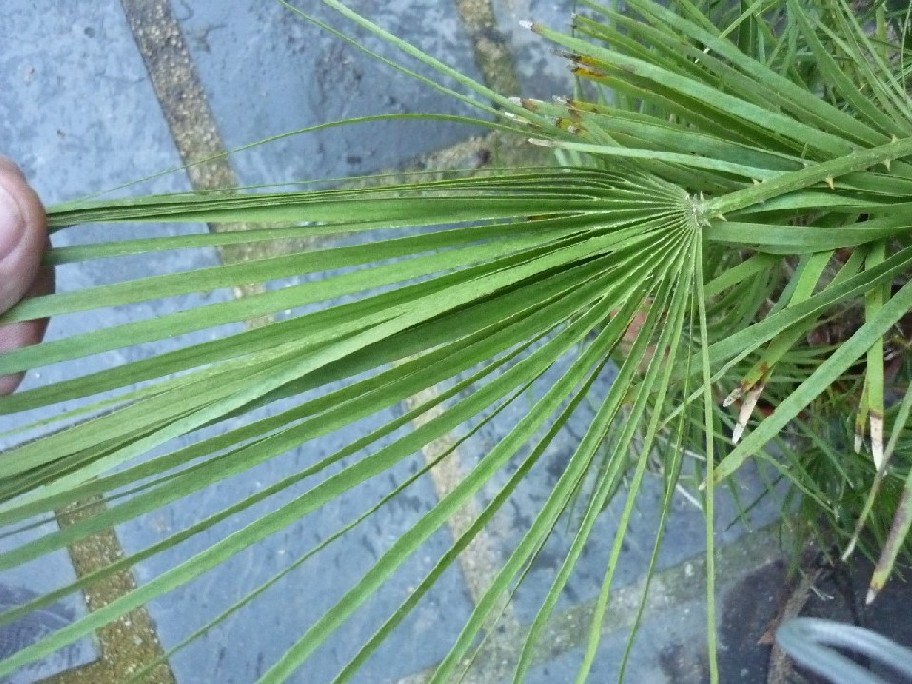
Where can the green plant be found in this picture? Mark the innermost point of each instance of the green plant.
(730, 224)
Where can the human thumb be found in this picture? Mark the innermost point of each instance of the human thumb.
(23, 235)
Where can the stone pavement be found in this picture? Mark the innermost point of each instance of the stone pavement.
(98, 93)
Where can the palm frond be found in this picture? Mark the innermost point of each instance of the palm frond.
(739, 188)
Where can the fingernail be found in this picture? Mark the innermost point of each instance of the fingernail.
(11, 222)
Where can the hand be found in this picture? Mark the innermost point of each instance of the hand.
(23, 239)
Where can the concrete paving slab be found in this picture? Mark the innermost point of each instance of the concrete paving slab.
(685, 539)
(27, 582)
(670, 644)
(272, 623)
(80, 117)
(666, 650)
(541, 73)
(267, 71)
(79, 114)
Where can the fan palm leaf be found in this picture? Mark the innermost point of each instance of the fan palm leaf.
(736, 188)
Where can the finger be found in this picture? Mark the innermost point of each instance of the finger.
(23, 333)
(23, 235)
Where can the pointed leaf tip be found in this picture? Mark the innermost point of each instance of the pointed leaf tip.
(872, 594)
(515, 117)
(850, 549)
(747, 408)
(877, 441)
(733, 396)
